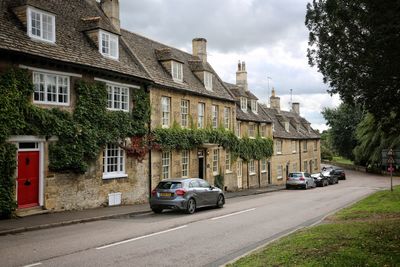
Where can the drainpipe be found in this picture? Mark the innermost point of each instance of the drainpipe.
(146, 88)
(259, 174)
(300, 155)
(248, 176)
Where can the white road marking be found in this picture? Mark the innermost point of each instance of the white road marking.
(231, 214)
(33, 264)
(141, 237)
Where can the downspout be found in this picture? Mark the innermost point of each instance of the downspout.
(146, 88)
(259, 174)
(300, 155)
(248, 176)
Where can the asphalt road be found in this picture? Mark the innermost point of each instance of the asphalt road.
(210, 237)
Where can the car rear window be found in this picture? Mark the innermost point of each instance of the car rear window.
(169, 185)
(295, 174)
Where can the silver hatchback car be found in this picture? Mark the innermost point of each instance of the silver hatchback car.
(300, 179)
(185, 194)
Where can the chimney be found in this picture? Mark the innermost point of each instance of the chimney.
(275, 101)
(241, 76)
(111, 9)
(199, 47)
(296, 108)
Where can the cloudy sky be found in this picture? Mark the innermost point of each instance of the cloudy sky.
(268, 35)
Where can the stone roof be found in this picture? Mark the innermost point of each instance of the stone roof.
(73, 18)
(298, 126)
(239, 91)
(152, 53)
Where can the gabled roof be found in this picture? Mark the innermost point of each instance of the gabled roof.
(73, 18)
(238, 91)
(152, 53)
(298, 126)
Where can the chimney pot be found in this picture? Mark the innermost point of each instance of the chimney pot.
(241, 76)
(275, 101)
(296, 108)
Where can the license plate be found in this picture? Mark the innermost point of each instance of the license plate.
(165, 194)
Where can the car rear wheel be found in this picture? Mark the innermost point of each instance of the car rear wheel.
(157, 210)
(191, 206)
(306, 186)
(220, 201)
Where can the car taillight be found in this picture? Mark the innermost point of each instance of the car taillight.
(153, 192)
(301, 179)
(180, 192)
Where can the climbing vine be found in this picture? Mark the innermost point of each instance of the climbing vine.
(187, 139)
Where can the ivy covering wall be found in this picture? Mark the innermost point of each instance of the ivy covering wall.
(187, 139)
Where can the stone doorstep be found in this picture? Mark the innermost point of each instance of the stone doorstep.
(30, 211)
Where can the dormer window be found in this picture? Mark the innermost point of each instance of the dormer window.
(243, 104)
(108, 44)
(208, 81)
(41, 25)
(254, 107)
(287, 126)
(177, 71)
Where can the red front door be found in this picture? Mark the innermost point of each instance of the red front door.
(28, 179)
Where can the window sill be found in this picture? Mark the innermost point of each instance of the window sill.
(118, 109)
(252, 137)
(215, 173)
(279, 153)
(228, 171)
(279, 178)
(51, 103)
(114, 176)
(252, 173)
(165, 126)
(263, 171)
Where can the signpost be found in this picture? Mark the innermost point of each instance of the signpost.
(390, 158)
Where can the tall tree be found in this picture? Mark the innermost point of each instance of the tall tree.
(343, 121)
(355, 45)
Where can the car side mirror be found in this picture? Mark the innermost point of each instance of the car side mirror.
(211, 187)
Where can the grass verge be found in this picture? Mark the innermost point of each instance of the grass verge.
(365, 234)
(342, 160)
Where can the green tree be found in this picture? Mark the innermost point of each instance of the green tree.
(355, 45)
(343, 121)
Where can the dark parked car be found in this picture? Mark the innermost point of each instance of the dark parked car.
(340, 174)
(185, 194)
(332, 178)
(320, 179)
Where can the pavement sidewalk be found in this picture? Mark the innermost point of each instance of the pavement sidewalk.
(48, 220)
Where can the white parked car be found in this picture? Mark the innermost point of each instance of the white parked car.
(300, 179)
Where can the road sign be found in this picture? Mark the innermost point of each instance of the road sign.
(391, 169)
(386, 159)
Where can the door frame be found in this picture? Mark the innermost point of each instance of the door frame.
(41, 142)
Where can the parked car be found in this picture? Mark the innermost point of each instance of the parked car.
(320, 179)
(185, 194)
(332, 178)
(340, 174)
(300, 179)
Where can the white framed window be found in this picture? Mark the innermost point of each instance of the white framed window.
(214, 112)
(185, 163)
(239, 168)
(215, 161)
(278, 146)
(166, 165)
(254, 106)
(177, 71)
(228, 161)
(238, 129)
(279, 172)
(118, 97)
(305, 166)
(166, 111)
(264, 165)
(305, 146)
(227, 117)
(315, 164)
(251, 130)
(208, 81)
(41, 25)
(294, 146)
(113, 162)
(201, 107)
(287, 126)
(108, 44)
(51, 89)
(184, 113)
(263, 130)
(243, 104)
(252, 168)
(294, 167)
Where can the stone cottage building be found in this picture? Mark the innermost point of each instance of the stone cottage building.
(251, 121)
(61, 43)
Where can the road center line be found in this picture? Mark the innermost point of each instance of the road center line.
(33, 264)
(141, 237)
(232, 214)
